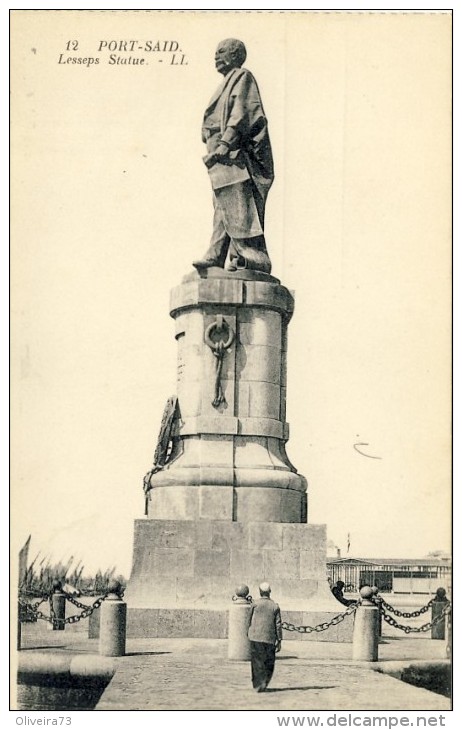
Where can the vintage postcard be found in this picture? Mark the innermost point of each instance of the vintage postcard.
(245, 215)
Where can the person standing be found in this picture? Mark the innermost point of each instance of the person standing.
(240, 165)
(337, 591)
(265, 635)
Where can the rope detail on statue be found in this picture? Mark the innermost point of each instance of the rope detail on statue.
(219, 347)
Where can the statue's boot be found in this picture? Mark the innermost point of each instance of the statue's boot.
(205, 263)
(216, 252)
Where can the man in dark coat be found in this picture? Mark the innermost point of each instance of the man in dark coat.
(265, 634)
(240, 164)
(337, 591)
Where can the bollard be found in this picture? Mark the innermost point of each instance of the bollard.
(58, 601)
(366, 628)
(438, 606)
(113, 623)
(378, 602)
(238, 624)
(57, 681)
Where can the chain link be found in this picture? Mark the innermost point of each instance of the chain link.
(405, 614)
(85, 606)
(43, 616)
(87, 610)
(76, 603)
(31, 606)
(32, 609)
(27, 612)
(324, 625)
(288, 626)
(52, 618)
(419, 629)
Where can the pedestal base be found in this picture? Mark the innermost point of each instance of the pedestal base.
(176, 623)
(185, 572)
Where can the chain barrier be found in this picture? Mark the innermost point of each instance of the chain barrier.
(322, 626)
(32, 606)
(405, 614)
(419, 629)
(52, 618)
(85, 606)
(87, 610)
(27, 611)
(31, 610)
(389, 619)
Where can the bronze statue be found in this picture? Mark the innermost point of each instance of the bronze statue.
(240, 165)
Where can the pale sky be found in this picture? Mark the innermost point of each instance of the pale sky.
(111, 203)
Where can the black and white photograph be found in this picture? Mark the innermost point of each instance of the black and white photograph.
(231, 416)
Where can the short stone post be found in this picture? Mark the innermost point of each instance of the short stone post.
(113, 622)
(438, 606)
(238, 624)
(58, 602)
(366, 628)
(378, 602)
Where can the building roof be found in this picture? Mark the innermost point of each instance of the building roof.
(375, 562)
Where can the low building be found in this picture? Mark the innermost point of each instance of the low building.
(391, 575)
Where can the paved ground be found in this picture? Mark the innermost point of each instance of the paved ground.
(195, 674)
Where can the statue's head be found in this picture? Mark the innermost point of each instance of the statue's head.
(230, 54)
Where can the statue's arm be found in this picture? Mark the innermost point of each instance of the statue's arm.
(243, 108)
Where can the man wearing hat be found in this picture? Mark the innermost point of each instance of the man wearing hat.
(265, 634)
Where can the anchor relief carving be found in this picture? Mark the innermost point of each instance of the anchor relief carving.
(219, 336)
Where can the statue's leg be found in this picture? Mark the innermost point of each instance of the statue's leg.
(219, 244)
(253, 248)
(243, 206)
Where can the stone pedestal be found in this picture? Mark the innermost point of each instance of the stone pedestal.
(229, 460)
(228, 507)
(185, 573)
